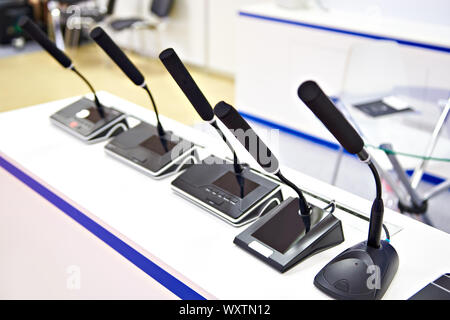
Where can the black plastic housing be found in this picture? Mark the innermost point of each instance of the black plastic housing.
(359, 273)
(326, 232)
(142, 148)
(92, 128)
(197, 185)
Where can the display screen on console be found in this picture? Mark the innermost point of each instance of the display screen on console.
(157, 144)
(235, 184)
(285, 228)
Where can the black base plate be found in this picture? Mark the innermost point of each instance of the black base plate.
(439, 289)
(359, 273)
(279, 239)
(142, 147)
(82, 119)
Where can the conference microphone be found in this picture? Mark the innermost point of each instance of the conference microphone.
(40, 37)
(345, 275)
(318, 102)
(257, 149)
(125, 64)
(183, 78)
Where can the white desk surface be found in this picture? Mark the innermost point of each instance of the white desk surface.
(184, 237)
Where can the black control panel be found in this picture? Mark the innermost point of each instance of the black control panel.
(231, 195)
(142, 146)
(439, 289)
(82, 118)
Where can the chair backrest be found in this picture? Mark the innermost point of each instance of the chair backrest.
(161, 8)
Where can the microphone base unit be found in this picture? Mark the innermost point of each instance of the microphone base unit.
(359, 273)
(279, 238)
(142, 148)
(237, 199)
(82, 120)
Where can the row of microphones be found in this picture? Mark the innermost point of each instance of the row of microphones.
(346, 276)
(122, 61)
(40, 37)
(365, 270)
(183, 78)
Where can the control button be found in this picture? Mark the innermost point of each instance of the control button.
(138, 155)
(83, 114)
(73, 124)
(207, 189)
(214, 201)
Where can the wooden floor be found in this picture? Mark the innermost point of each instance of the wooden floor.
(32, 78)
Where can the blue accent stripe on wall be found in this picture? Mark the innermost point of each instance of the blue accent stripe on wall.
(174, 285)
(427, 178)
(348, 32)
(334, 146)
(302, 135)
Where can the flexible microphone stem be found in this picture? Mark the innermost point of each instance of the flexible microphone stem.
(159, 126)
(377, 179)
(377, 211)
(237, 166)
(99, 106)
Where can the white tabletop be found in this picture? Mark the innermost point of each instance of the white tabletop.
(189, 240)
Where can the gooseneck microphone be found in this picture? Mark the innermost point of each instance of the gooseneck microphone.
(316, 100)
(122, 61)
(349, 275)
(40, 37)
(183, 78)
(258, 150)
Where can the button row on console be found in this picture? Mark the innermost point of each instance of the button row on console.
(220, 196)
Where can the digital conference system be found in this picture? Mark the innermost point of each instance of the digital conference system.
(279, 232)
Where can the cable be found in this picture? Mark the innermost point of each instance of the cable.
(304, 207)
(331, 205)
(389, 151)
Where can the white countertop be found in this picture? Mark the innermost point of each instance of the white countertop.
(189, 240)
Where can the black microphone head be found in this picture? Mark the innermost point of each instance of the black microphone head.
(40, 37)
(318, 102)
(117, 55)
(246, 136)
(183, 78)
